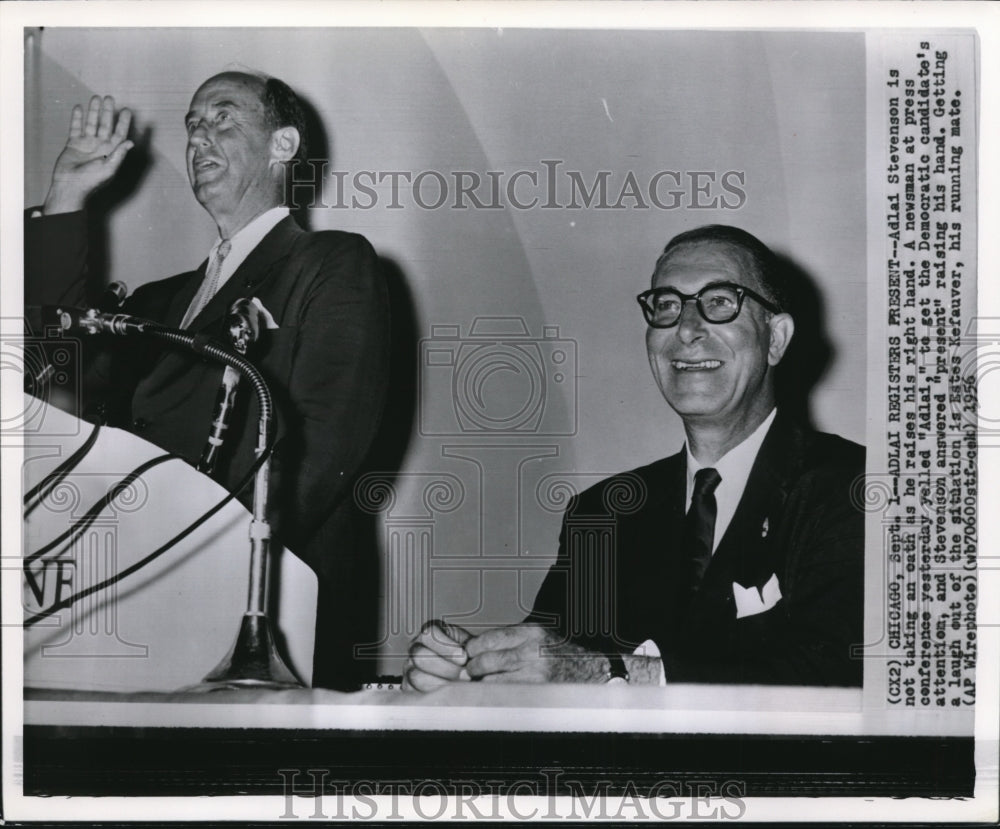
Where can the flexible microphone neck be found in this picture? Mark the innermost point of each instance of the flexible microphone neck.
(254, 660)
(91, 321)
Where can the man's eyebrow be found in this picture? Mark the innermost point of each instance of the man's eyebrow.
(718, 283)
(225, 102)
(715, 283)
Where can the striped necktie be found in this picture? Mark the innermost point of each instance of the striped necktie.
(209, 284)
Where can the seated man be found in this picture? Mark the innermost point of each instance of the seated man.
(737, 560)
(324, 355)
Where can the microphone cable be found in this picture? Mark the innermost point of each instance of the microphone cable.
(98, 507)
(50, 481)
(123, 324)
(190, 528)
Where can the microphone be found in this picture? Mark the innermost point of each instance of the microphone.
(112, 297)
(243, 324)
(93, 321)
(254, 660)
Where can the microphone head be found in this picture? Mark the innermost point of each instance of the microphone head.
(113, 296)
(243, 324)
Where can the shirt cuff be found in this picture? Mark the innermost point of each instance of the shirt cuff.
(648, 648)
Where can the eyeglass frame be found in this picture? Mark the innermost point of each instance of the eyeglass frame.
(741, 292)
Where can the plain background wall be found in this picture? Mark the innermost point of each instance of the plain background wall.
(472, 518)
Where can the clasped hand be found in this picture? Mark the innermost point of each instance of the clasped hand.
(444, 653)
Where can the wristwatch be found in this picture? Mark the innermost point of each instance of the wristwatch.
(617, 673)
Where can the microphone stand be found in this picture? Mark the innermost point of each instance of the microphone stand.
(253, 661)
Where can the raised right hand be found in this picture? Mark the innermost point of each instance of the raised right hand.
(94, 151)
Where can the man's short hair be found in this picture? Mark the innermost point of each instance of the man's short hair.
(282, 108)
(764, 265)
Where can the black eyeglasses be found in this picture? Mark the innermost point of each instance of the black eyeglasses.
(717, 303)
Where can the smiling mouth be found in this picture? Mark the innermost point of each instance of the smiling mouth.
(701, 365)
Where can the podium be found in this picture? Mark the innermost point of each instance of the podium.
(166, 626)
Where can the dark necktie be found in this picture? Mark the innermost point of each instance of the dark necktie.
(699, 527)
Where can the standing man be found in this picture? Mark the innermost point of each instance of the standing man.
(737, 560)
(324, 355)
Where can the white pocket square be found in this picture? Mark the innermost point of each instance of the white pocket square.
(751, 600)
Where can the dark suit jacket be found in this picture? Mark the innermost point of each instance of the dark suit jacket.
(326, 365)
(616, 581)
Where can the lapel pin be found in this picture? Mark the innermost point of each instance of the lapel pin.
(764, 528)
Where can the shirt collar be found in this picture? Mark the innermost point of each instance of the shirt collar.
(734, 467)
(249, 236)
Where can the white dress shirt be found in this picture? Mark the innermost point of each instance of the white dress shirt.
(734, 469)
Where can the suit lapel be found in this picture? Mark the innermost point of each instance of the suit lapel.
(644, 555)
(744, 554)
(655, 531)
(178, 303)
(259, 266)
(666, 488)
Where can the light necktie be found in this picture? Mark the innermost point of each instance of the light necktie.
(209, 284)
(699, 527)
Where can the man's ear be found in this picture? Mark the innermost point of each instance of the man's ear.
(284, 144)
(782, 328)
